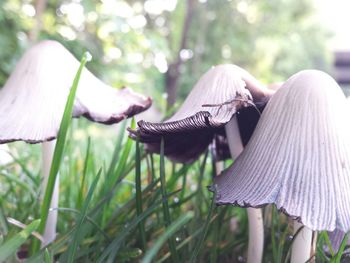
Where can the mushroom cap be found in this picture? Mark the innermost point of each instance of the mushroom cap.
(216, 97)
(298, 157)
(34, 97)
(221, 84)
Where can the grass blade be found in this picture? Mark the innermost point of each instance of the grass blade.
(117, 148)
(77, 237)
(19, 182)
(3, 222)
(11, 246)
(166, 211)
(48, 257)
(139, 195)
(337, 257)
(325, 237)
(113, 176)
(205, 231)
(124, 157)
(58, 153)
(169, 232)
(82, 186)
(114, 246)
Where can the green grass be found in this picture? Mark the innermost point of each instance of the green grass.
(127, 206)
(11, 246)
(120, 204)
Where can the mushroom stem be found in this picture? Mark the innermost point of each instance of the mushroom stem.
(50, 228)
(313, 247)
(219, 167)
(301, 247)
(234, 138)
(256, 235)
(5, 156)
(255, 219)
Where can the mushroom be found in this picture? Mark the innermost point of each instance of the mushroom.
(298, 158)
(34, 97)
(212, 103)
(211, 109)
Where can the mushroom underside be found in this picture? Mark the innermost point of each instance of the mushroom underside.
(186, 139)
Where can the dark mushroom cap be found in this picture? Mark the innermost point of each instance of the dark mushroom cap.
(33, 99)
(298, 157)
(219, 94)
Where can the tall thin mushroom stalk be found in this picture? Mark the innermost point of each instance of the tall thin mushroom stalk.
(211, 108)
(5, 156)
(34, 97)
(298, 159)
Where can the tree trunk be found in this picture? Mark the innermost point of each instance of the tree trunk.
(173, 74)
(40, 6)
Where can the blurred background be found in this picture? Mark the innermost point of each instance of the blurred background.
(161, 47)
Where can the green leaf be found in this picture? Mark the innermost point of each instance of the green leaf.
(48, 257)
(12, 245)
(337, 257)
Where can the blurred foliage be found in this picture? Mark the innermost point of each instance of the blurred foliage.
(105, 224)
(133, 42)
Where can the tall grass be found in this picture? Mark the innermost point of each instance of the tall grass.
(121, 204)
(111, 214)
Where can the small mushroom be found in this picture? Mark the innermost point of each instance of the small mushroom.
(34, 97)
(298, 158)
(210, 109)
(215, 99)
(38, 87)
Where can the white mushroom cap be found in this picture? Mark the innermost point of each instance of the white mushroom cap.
(33, 99)
(298, 156)
(218, 95)
(220, 84)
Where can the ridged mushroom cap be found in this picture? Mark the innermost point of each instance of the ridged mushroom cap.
(216, 97)
(298, 157)
(33, 99)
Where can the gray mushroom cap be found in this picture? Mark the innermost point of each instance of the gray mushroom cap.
(33, 99)
(217, 96)
(298, 157)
